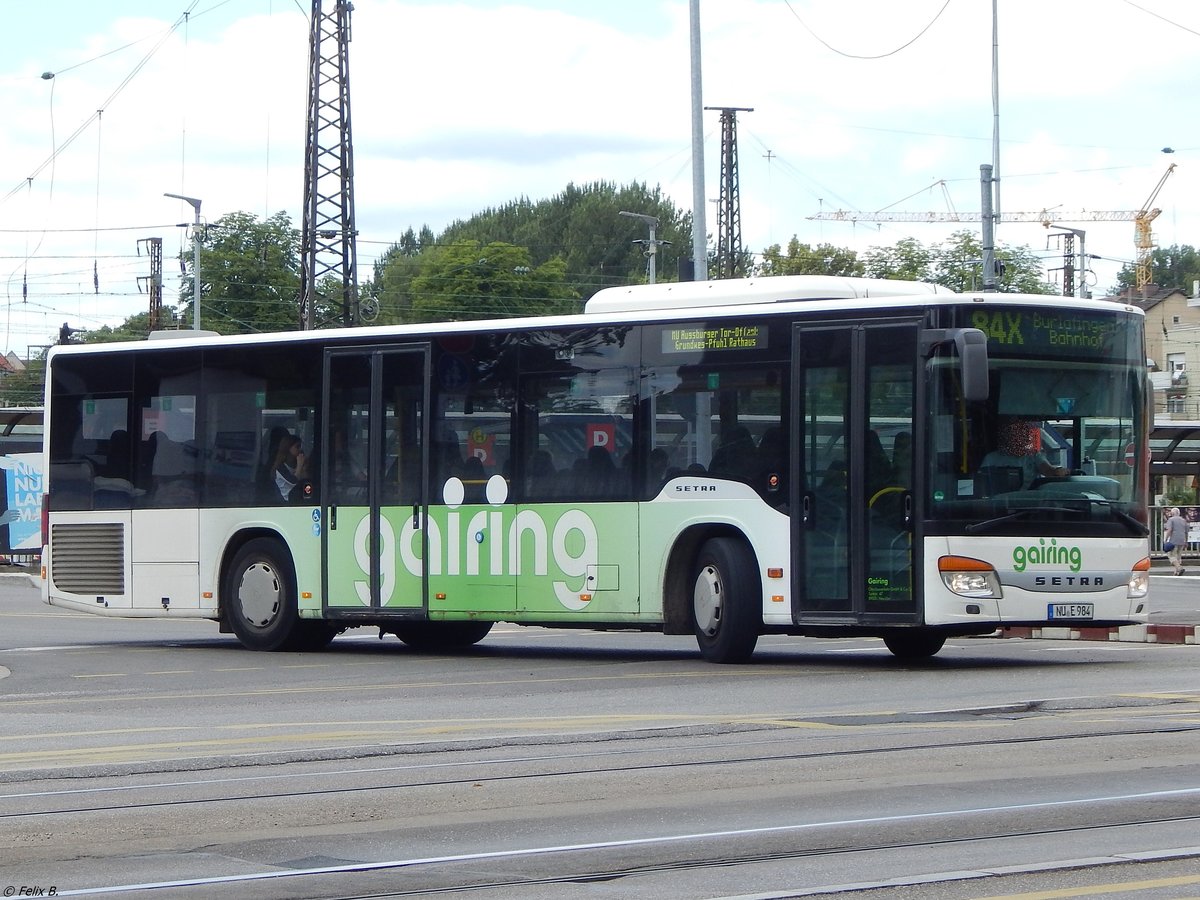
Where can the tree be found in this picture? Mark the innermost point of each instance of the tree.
(27, 387)
(907, 260)
(582, 227)
(959, 262)
(393, 273)
(135, 328)
(1174, 267)
(250, 276)
(804, 259)
(469, 280)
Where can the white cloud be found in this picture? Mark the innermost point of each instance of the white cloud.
(460, 106)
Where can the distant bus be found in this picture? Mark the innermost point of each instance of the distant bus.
(21, 485)
(791, 455)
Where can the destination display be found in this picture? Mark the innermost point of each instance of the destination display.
(1056, 332)
(692, 338)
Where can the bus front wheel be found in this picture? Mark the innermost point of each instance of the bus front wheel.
(914, 643)
(726, 601)
(260, 596)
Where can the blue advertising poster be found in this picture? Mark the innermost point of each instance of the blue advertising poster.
(23, 515)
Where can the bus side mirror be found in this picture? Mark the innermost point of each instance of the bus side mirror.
(971, 344)
(973, 359)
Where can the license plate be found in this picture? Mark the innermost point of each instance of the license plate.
(1071, 611)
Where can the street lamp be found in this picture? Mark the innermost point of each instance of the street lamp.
(652, 245)
(195, 257)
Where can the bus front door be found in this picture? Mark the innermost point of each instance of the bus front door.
(374, 462)
(855, 401)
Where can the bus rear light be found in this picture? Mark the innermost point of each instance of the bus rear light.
(774, 573)
(1139, 579)
(45, 519)
(969, 577)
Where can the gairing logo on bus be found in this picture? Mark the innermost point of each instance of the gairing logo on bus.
(482, 544)
(1047, 554)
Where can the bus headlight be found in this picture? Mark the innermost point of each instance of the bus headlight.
(969, 577)
(1139, 580)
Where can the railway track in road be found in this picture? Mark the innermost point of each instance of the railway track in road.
(282, 800)
(494, 770)
(693, 852)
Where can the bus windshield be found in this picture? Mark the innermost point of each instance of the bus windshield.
(1055, 441)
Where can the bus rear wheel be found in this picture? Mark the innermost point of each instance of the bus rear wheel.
(436, 636)
(260, 596)
(914, 643)
(726, 597)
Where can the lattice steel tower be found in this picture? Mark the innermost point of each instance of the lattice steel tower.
(729, 208)
(328, 234)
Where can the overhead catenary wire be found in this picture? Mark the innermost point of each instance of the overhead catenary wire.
(848, 55)
(59, 149)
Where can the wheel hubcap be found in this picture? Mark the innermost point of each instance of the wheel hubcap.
(707, 600)
(259, 594)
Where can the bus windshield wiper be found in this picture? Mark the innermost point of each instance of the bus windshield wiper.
(1138, 528)
(1014, 516)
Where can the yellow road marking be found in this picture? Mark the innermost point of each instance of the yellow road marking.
(1115, 888)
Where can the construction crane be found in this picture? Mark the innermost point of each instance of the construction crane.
(1044, 217)
(1143, 239)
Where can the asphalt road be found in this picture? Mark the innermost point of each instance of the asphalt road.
(552, 763)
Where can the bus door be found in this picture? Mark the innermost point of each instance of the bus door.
(374, 461)
(855, 404)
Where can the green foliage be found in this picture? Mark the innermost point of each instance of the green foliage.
(135, 328)
(906, 260)
(393, 275)
(1174, 267)
(250, 275)
(469, 280)
(25, 388)
(804, 259)
(956, 263)
(582, 229)
(1180, 496)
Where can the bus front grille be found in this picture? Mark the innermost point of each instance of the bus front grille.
(88, 558)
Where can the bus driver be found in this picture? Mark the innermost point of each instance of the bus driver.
(1019, 446)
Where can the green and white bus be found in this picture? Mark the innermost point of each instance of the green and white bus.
(791, 455)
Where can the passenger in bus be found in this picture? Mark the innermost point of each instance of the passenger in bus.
(736, 456)
(113, 485)
(268, 492)
(117, 456)
(656, 470)
(1019, 446)
(291, 468)
(474, 478)
(541, 476)
(599, 475)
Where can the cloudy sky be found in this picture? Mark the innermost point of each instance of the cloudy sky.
(457, 106)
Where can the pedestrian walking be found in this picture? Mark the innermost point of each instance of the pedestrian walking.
(1175, 534)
